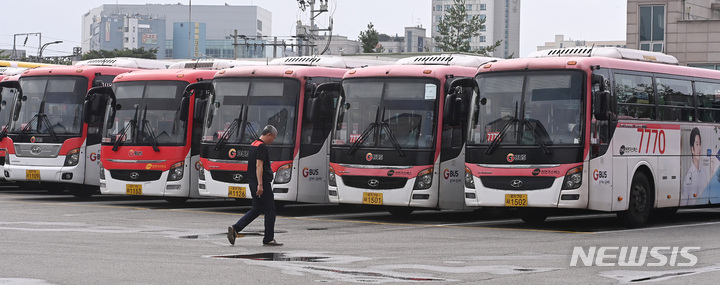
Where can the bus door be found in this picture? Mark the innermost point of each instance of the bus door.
(451, 189)
(314, 146)
(202, 91)
(96, 102)
(602, 125)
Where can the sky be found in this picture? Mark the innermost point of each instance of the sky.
(540, 20)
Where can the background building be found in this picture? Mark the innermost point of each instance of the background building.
(561, 42)
(688, 30)
(165, 26)
(502, 22)
(415, 40)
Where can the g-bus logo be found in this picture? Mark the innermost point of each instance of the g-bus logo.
(599, 174)
(516, 157)
(536, 172)
(370, 157)
(310, 172)
(628, 149)
(447, 174)
(232, 153)
(390, 172)
(132, 153)
(93, 156)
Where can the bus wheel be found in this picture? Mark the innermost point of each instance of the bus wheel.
(640, 203)
(533, 216)
(83, 191)
(176, 200)
(401, 212)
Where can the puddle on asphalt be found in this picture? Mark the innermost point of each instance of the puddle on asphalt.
(275, 256)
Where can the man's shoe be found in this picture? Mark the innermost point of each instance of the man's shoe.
(273, 243)
(231, 235)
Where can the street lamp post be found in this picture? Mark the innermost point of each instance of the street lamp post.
(43, 48)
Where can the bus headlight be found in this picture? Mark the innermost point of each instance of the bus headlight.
(424, 179)
(102, 171)
(73, 157)
(176, 171)
(469, 181)
(284, 173)
(573, 178)
(331, 177)
(201, 172)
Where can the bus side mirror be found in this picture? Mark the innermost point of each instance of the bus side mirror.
(601, 106)
(16, 110)
(199, 110)
(184, 109)
(600, 80)
(449, 117)
(312, 109)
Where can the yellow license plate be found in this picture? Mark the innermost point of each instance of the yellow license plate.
(133, 189)
(236, 192)
(32, 174)
(372, 198)
(516, 200)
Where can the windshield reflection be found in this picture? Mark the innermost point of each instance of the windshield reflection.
(50, 105)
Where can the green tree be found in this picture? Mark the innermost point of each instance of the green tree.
(456, 28)
(3, 55)
(137, 53)
(370, 39)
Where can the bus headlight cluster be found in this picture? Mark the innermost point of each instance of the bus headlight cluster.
(469, 181)
(331, 177)
(424, 179)
(176, 171)
(201, 172)
(73, 157)
(102, 171)
(573, 178)
(284, 173)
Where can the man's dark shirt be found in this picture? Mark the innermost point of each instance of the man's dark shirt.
(258, 150)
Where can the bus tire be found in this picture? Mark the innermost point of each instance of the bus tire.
(177, 201)
(640, 202)
(533, 216)
(400, 212)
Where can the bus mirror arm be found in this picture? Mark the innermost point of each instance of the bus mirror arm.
(601, 106)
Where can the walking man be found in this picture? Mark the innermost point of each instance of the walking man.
(260, 189)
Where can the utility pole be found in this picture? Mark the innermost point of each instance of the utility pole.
(235, 44)
(14, 52)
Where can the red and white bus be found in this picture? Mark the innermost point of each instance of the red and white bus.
(399, 138)
(49, 140)
(151, 140)
(604, 129)
(297, 96)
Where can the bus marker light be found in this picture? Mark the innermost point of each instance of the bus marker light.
(222, 71)
(352, 71)
(288, 72)
(427, 71)
(180, 75)
(694, 195)
(572, 62)
(669, 196)
(79, 70)
(487, 65)
(620, 198)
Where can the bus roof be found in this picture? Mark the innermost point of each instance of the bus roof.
(127, 62)
(448, 59)
(11, 70)
(214, 64)
(87, 71)
(586, 63)
(22, 64)
(435, 71)
(188, 75)
(329, 61)
(281, 71)
(610, 52)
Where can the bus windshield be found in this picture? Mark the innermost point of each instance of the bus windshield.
(8, 95)
(241, 107)
(528, 108)
(51, 105)
(392, 113)
(146, 113)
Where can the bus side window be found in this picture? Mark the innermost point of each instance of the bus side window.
(708, 101)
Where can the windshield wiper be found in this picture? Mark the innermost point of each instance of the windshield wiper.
(122, 133)
(503, 131)
(536, 136)
(147, 128)
(365, 133)
(246, 125)
(235, 124)
(384, 125)
(46, 122)
(27, 126)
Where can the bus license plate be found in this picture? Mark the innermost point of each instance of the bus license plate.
(372, 198)
(133, 189)
(236, 192)
(32, 174)
(516, 200)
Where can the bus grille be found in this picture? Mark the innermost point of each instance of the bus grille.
(136, 175)
(506, 182)
(229, 176)
(383, 183)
